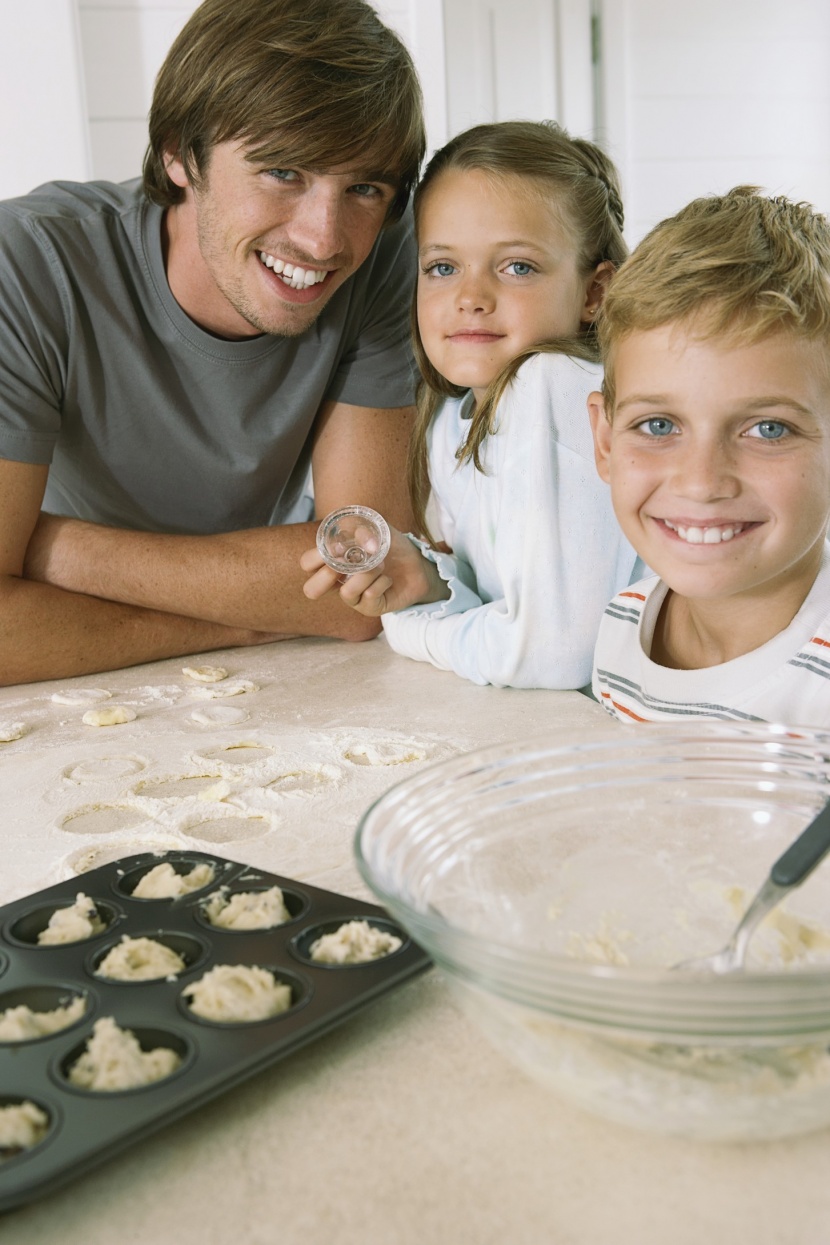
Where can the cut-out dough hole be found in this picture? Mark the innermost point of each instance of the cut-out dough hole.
(101, 768)
(179, 785)
(386, 752)
(239, 754)
(103, 819)
(227, 829)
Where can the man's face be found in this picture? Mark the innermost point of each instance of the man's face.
(231, 240)
(718, 457)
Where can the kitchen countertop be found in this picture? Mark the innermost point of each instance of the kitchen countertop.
(402, 1126)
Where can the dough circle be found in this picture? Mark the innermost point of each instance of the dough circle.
(218, 715)
(205, 674)
(11, 730)
(114, 715)
(233, 687)
(163, 882)
(140, 959)
(73, 924)
(236, 993)
(113, 1059)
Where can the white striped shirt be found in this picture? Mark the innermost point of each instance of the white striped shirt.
(785, 680)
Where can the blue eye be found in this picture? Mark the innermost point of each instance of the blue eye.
(441, 268)
(519, 268)
(282, 175)
(657, 426)
(769, 430)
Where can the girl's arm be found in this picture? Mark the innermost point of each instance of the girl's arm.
(544, 547)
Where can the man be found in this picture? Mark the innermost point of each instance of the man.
(174, 357)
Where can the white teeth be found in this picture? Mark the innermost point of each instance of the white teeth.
(295, 277)
(705, 535)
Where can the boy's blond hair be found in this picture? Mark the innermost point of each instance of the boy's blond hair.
(740, 266)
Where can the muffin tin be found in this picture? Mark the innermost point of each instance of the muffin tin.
(87, 1127)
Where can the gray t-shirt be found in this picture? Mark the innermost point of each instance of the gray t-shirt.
(149, 422)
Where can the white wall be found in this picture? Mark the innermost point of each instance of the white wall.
(697, 95)
(42, 109)
(702, 97)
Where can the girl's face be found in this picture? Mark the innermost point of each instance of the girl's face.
(497, 273)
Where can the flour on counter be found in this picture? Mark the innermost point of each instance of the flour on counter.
(21, 1024)
(81, 696)
(140, 959)
(233, 687)
(247, 909)
(72, 924)
(163, 882)
(113, 1059)
(355, 942)
(238, 993)
(22, 1125)
(113, 715)
(205, 674)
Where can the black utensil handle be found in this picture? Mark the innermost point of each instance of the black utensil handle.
(802, 856)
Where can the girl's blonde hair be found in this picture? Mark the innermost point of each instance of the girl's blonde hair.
(584, 186)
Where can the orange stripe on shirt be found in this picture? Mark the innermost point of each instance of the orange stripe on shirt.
(630, 712)
(638, 596)
(818, 640)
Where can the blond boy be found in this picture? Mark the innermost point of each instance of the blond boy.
(713, 430)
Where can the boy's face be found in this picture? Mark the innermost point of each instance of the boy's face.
(718, 457)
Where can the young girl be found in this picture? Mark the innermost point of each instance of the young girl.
(519, 230)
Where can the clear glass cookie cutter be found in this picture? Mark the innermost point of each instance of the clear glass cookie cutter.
(353, 539)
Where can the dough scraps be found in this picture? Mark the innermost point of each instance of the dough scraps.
(236, 993)
(355, 942)
(72, 924)
(21, 1024)
(205, 674)
(11, 730)
(22, 1125)
(140, 959)
(81, 696)
(233, 687)
(163, 882)
(113, 1059)
(246, 909)
(113, 715)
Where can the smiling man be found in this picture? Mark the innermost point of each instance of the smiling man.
(180, 358)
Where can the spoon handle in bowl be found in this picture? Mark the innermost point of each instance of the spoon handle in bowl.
(802, 856)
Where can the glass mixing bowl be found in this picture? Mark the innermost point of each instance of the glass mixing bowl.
(556, 881)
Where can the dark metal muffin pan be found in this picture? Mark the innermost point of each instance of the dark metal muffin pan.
(85, 1127)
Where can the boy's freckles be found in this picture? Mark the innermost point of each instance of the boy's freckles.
(718, 458)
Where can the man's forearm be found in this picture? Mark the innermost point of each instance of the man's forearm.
(249, 579)
(47, 633)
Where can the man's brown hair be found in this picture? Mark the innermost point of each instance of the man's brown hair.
(308, 84)
(738, 266)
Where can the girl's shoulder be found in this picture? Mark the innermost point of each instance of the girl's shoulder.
(554, 370)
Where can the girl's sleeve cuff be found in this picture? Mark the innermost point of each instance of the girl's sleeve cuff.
(456, 574)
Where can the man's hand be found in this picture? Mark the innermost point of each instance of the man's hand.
(404, 578)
